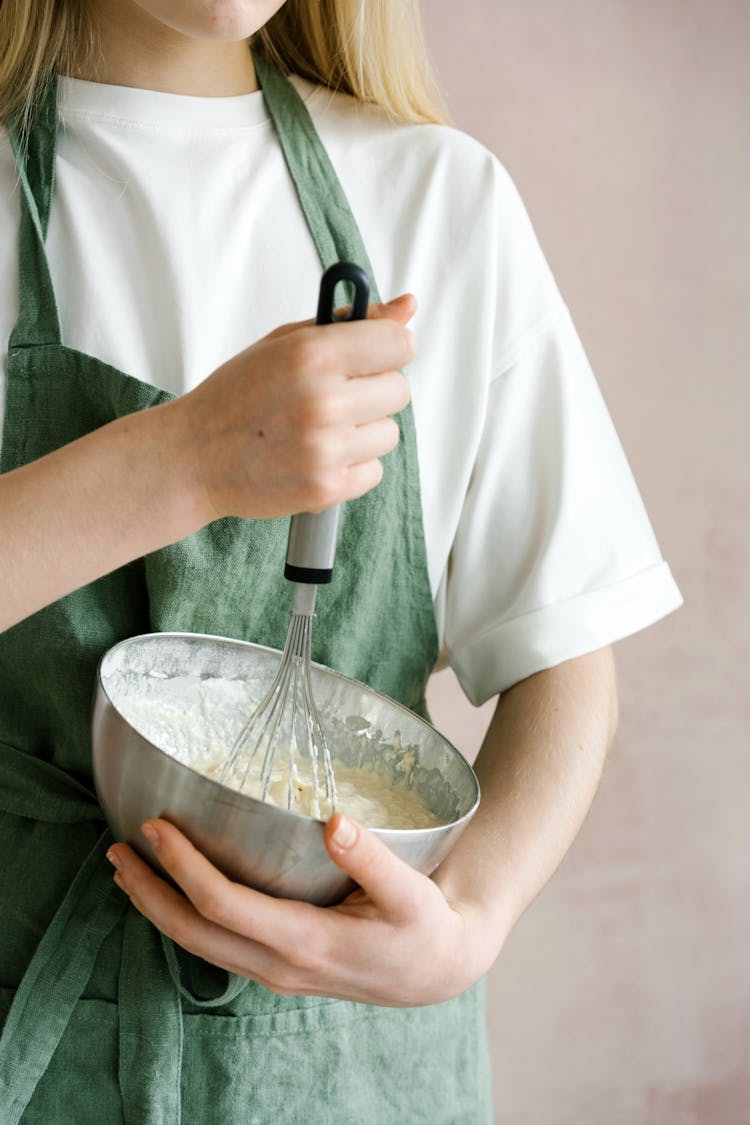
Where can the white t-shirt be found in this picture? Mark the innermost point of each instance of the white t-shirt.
(176, 240)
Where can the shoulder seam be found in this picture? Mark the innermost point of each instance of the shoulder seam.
(515, 352)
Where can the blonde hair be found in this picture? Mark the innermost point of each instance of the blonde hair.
(372, 49)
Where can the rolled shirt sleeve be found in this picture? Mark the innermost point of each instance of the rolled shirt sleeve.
(554, 555)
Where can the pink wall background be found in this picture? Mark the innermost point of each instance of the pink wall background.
(623, 995)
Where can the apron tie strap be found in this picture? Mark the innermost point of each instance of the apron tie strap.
(150, 983)
(151, 1032)
(234, 984)
(56, 977)
(39, 790)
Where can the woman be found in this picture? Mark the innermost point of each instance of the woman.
(159, 210)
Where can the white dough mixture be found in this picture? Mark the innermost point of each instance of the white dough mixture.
(197, 722)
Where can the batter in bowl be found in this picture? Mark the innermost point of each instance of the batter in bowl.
(196, 721)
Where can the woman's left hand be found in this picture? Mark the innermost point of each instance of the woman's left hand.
(394, 941)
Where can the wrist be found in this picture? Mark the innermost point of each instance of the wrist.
(166, 468)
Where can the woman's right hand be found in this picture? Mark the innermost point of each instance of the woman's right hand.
(298, 421)
(295, 423)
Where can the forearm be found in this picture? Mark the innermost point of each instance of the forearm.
(539, 768)
(91, 506)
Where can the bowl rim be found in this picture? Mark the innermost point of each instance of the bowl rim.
(266, 805)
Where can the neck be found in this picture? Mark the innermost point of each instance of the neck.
(138, 50)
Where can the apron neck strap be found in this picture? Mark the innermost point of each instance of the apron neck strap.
(38, 320)
(325, 206)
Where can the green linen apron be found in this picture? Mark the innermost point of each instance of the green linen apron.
(104, 1020)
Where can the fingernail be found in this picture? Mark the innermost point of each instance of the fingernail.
(113, 857)
(345, 832)
(151, 834)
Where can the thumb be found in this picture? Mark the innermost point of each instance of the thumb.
(389, 882)
(400, 309)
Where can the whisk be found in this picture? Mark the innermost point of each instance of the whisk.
(287, 717)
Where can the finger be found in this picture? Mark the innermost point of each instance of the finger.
(359, 399)
(353, 347)
(372, 440)
(274, 922)
(393, 886)
(358, 479)
(365, 398)
(401, 309)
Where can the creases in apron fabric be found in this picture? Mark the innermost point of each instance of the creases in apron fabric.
(104, 1019)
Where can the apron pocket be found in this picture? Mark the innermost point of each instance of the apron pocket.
(338, 1063)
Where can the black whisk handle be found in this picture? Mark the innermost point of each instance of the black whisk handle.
(312, 538)
(356, 276)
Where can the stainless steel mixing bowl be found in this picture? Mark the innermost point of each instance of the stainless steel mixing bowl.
(272, 849)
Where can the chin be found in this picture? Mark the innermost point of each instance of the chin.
(222, 20)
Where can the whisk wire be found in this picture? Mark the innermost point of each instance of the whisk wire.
(317, 736)
(266, 710)
(288, 660)
(276, 719)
